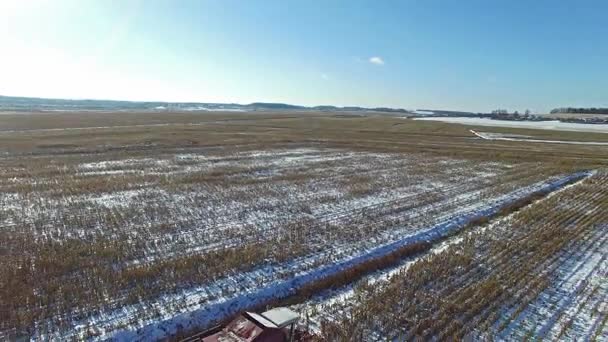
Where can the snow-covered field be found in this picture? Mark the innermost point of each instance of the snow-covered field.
(101, 247)
(524, 138)
(281, 288)
(540, 273)
(550, 125)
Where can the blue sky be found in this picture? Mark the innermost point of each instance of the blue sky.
(462, 55)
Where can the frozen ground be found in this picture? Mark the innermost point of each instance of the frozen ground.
(575, 305)
(326, 305)
(550, 125)
(137, 239)
(274, 287)
(538, 273)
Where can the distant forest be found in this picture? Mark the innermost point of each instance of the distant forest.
(580, 110)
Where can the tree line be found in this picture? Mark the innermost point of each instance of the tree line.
(580, 110)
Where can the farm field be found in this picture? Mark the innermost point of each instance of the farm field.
(539, 273)
(133, 228)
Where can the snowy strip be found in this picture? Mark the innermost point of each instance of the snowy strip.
(495, 136)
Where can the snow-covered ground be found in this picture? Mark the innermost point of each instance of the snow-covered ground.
(227, 307)
(315, 310)
(550, 261)
(576, 302)
(517, 137)
(549, 125)
(330, 206)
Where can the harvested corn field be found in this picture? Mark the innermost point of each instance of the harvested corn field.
(538, 273)
(144, 231)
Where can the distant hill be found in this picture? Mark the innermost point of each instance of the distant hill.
(438, 112)
(265, 105)
(35, 103)
(12, 103)
(327, 108)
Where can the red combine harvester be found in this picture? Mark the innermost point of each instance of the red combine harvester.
(276, 325)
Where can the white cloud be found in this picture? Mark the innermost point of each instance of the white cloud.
(376, 60)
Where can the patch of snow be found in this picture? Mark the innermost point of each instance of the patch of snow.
(547, 125)
(524, 138)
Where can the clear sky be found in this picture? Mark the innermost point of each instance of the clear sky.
(462, 55)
